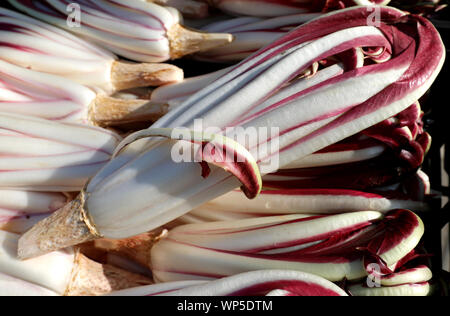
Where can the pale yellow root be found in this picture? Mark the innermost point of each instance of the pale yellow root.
(66, 227)
(90, 278)
(135, 248)
(126, 75)
(184, 41)
(108, 111)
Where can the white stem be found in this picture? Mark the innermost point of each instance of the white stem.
(73, 153)
(265, 281)
(20, 210)
(257, 233)
(210, 250)
(10, 286)
(415, 275)
(234, 205)
(157, 289)
(337, 158)
(138, 30)
(48, 49)
(250, 34)
(186, 88)
(220, 264)
(422, 289)
(52, 271)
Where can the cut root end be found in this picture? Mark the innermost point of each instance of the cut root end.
(126, 75)
(108, 111)
(135, 248)
(90, 278)
(67, 227)
(184, 41)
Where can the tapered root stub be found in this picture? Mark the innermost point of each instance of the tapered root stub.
(184, 41)
(91, 278)
(108, 111)
(67, 227)
(125, 75)
(136, 248)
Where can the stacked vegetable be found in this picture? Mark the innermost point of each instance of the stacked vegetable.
(331, 191)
